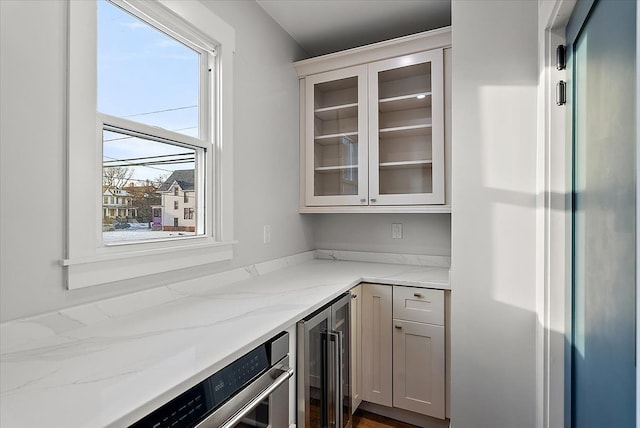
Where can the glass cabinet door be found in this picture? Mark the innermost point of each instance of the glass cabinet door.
(336, 137)
(341, 314)
(313, 391)
(406, 130)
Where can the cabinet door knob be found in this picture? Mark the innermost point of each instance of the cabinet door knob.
(354, 296)
(363, 200)
(373, 199)
(417, 295)
(399, 327)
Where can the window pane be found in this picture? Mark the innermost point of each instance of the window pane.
(144, 183)
(144, 75)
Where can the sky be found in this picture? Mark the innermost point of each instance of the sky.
(145, 76)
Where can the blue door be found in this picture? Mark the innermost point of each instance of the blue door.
(601, 41)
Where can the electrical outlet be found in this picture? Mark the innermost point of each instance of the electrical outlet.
(267, 234)
(396, 231)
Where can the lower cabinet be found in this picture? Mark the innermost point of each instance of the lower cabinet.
(418, 368)
(377, 355)
(403, 357)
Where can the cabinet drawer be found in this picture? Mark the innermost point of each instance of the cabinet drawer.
(418, 304)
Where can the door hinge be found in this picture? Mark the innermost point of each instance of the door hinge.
(561, 93)
(561, 57)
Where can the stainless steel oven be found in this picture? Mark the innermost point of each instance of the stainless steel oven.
(250, 392)
(324, 391)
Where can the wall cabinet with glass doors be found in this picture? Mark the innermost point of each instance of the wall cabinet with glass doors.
(336, 126)
(373, 134)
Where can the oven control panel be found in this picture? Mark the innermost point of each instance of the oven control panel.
(193, 405)
(231, 379)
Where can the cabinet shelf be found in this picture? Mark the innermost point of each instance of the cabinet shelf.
(337, 112)
(405, 164)
(404, 102)
(333, 138)
(406, 131)
(342, 134)
(338, 107)
(334, 168)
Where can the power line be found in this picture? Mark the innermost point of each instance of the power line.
(149, 157)
(159, 162)
(169, 159)
(141, 180)
(162, 111)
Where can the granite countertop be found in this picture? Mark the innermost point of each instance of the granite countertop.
(109, 363)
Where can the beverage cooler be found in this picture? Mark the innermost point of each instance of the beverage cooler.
(324, 392)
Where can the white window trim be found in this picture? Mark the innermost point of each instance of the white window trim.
(87, 261)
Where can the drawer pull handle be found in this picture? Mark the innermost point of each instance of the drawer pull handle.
(399, 327)
(417, 294)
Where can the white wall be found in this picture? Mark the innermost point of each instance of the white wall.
(428, 234)
(32, 153)
(494, 218)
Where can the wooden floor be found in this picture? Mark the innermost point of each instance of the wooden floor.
(362, 419)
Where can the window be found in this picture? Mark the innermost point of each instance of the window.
(157, 74)
(149, 81)
(186, 198)
(188, 213)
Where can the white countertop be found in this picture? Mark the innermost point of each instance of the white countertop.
(110, 363)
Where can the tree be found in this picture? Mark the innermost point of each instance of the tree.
(144, 197)
(116, 177)
(159, 180)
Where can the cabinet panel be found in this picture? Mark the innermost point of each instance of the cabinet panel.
(418, 368)
(377, 354)
(418, 304)
(336, 137)
(356, 347)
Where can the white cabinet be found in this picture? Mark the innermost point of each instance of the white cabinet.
(336, 136)
(403, 348)
(356, 347)
(419, 350)
(377, 354)
(418, 304)
(406, 130)
(373, 133)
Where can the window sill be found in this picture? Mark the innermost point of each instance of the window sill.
(105, 268)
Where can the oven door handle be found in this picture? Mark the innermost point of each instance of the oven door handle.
(287, 372)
